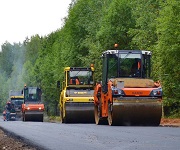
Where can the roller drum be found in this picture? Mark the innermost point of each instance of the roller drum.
(137, 113)
(79, 112)
(33, 116)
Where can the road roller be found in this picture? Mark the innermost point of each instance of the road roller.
(127, 95)
(16, 99)
(76, 97)
(32, 107)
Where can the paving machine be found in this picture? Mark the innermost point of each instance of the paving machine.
(32, 107)
(17, 99)
(126, 95)
(76, 97)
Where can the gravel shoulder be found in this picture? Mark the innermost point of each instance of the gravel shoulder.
(170, 122)
(7, 142)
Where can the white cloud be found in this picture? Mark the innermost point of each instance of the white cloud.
(22, 18)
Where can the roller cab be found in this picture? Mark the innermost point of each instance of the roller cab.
(76, 98)
(127, 94)
(32, 107)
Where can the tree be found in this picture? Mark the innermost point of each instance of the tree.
(7, 58)
(168, 46)
(145, 14)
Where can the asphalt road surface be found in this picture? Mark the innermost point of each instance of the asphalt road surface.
(57, 136)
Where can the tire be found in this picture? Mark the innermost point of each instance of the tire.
(61, 117)
(96, 115)
(110, 119)
(98, 119)
(24, 119)
(110, 115)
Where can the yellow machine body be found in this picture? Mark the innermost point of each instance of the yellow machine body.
(76, 98)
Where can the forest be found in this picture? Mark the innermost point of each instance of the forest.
(91, 27)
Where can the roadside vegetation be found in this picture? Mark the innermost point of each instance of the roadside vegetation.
(91, 27)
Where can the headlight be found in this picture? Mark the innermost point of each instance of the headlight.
(117, 92)
(69, 99)
(156, 92)
(91, 100)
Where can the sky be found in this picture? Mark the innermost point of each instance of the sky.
(24, 18)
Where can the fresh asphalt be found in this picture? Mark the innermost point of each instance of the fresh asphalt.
(57, 136)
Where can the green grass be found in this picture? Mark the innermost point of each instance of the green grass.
(173, 114)
(52, 118)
